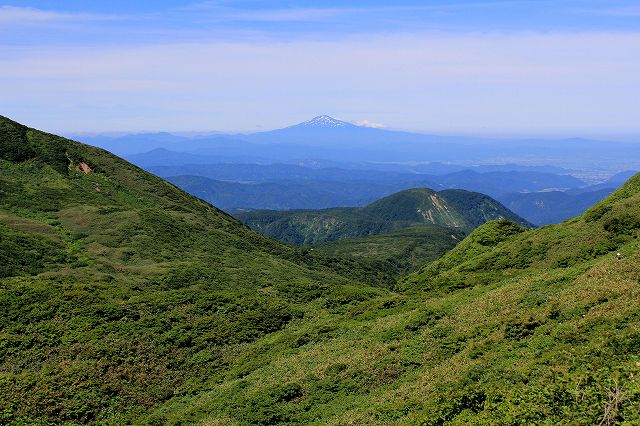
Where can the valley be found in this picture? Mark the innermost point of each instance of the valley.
(405, 230)
(128, 301)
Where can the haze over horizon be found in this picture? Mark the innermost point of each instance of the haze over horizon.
(487, 68)
(478, 136)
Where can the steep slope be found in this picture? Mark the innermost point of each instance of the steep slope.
(119, 291)
(457, 209)
(510, 327)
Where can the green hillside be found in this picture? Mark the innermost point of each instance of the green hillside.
(511, 327)
(126, 301)
(402, 251)
(118, 291)
(457, 209)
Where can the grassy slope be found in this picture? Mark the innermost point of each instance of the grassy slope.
(457, 209)
(405, 250)
(118, 291)
(511, 327)
(129, 321)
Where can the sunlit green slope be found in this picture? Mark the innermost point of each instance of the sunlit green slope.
(118, 291)
(126, 301)
(511, 327)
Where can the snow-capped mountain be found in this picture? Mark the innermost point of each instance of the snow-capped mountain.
(324, 121)
(327, 131)
(326, 138)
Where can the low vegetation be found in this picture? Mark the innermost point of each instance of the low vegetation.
(126, 301)
(118, 289)
(398, 252)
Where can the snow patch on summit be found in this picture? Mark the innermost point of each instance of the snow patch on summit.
(326, 122)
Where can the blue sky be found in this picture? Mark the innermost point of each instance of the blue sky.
(551, 68)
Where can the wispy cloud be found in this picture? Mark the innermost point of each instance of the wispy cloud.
(424, 82)
(229, 11)
(286, 21)
(284, 15)
(621, 12)
(12, 14)
(380, 14)
(28, 15)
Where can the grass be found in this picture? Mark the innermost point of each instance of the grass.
(118, 288)
(143, 305)
(400, 252)
(544, 331)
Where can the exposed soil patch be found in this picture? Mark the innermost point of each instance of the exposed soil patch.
(84, 167)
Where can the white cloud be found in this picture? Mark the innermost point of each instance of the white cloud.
(226, 11)
(367, 123)
(283, 15)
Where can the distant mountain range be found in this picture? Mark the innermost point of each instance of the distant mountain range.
(324, 137)
(325, 162)
(161, 157)
(285, 186)
(545, 207)
(542, 208)
(281, 195)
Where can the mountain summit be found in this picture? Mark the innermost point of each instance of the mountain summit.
(325, 121)
(327, 131)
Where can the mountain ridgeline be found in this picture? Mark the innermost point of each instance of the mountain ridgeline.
(127, 301)
(325, 137)
(456, 209)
